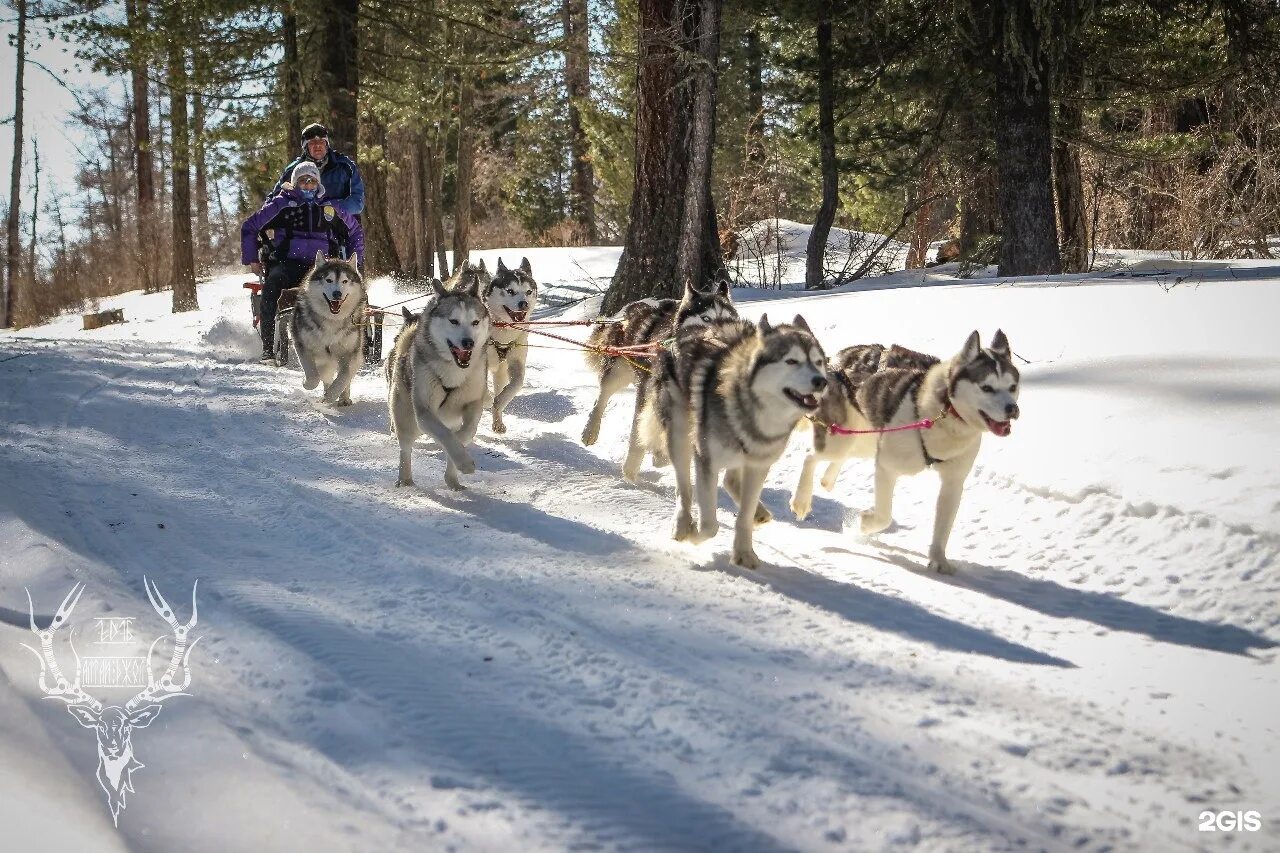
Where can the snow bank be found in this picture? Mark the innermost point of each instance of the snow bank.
(772, 253)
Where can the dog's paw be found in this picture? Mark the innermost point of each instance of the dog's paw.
(344, 400)
(682, 529)
(829, 481)
(311, 384)
(871, 524)
(660, 459)
(941, 565)
(745, 557)
(466, 464)
(763, 515)
(404, 481)
(801, 507)
(590, 435)
(499, 427)
(630, 474)
(454, 483)
(704, 532)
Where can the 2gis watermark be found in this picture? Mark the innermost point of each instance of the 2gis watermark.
(1229, 821)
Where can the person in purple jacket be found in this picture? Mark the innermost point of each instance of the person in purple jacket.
(291, 227)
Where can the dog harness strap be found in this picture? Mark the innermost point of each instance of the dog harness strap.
(502, 349)
(929, 460)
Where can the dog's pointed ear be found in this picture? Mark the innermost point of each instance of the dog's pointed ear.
(723, 289)
(800, 323)
(354, 260)
(972, 347)
(501, 267)
(474, 288)
(481, 268)
(764, 328)
(526, 267)
(407, 314)
(438, 287)
(1000, 344)
(319, 257)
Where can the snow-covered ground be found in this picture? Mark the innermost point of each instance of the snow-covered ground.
(533, 665)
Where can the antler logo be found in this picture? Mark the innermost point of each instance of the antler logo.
(114, 724)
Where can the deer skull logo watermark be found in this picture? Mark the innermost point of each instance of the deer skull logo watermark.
(114, 724)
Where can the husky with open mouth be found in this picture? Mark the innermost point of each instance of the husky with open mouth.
(726, 397)
(967, 396)
(511, 295)
(327, 326)
(437, 378)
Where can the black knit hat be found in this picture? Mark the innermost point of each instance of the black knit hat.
(314, 131)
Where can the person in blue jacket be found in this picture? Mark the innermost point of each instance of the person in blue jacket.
(287, 232)
(343, 187)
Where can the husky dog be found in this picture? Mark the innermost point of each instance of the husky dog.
(436, 378)
(646, 321)
(327, 327)
(467, 274)
(728, 396)
(510, 295)
(846, 373)
(971, 394)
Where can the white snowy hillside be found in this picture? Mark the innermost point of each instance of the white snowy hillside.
(533, 665)
(772, 252)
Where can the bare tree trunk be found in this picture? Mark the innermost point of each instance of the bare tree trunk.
(698, 204)
(463, 172)
(1151, 206)
(136, 17)
(380, 250)
(816, 251)
(340, 36)
(13, 245)
(1068, 179)
(291, 79)
(418, 193)
(203, 244)
(35, 208)
(577, 76)
(1024, 144)
(184, 274)
(666, 147)
(435, 209)
(755, 97)
(918, 247)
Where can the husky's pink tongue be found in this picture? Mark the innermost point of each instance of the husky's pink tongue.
(462, 356)
(1000, 428)
(335, 305)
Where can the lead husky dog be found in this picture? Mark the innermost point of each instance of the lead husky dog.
(436, 378)
(967, 396)
(327, 327)
(643, 322)
(727, 396)
(510, 295)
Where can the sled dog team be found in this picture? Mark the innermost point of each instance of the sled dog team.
(720, 394)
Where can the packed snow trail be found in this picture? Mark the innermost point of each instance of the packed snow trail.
(533, 664)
